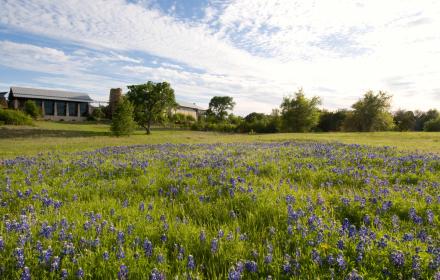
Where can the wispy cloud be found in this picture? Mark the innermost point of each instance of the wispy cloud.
(256, 51)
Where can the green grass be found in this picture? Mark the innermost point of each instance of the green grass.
(69, 137)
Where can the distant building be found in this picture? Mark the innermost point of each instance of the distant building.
(55, 104)
(189, 109)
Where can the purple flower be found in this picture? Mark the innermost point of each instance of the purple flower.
(80, 273)
(156, 275)
(202, 236)
(123, 272)
(64, 274)
(19, 256)
(214, 245)
(25, 274)
(397, 258)
(341, 262)
(191, 263)
(251, 266)
(148, 248)
(105, 256)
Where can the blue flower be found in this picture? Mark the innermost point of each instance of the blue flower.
(214, 245)
(123, 272)
(397, 258)
(25, 274)
(191, 263)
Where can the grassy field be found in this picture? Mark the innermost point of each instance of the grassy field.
(199, 205)
(67, 137)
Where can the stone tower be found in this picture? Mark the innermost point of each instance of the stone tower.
(115, 97)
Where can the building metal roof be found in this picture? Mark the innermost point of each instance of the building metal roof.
(50, 94)
(190, 105)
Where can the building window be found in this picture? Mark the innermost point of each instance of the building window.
(73, 109)
(49, 107)
(61, 108)
(83, 109)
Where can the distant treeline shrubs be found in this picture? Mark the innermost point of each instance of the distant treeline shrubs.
(153, 103)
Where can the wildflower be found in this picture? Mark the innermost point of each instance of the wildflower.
(202, 236)
(64, 274)
(26, 274)
(341, 262)
(268, 258)
(251, 266)
(80, 273)
(156, 275)
(123, 272)
(19, 256)
(148, 248)
(214, 245)
(191, 263)
(353, 275)
(397, 258)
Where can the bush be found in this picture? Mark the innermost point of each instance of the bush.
(432, 125)
(122, 121)
(31, 109)
(14, 117)
(97, 114)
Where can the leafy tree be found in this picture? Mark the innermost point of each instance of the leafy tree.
(331, 121)
(404, 120)
(298, 113)
(219, 107)
(151, 101)
(432, 125)
(122, 121)
(98, 114)
(371, 113)
(423, 117)
(31, 109)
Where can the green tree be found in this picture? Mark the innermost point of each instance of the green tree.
(31, 109)
(98, 114)
(219, 107)
(122, 121)
(404, 120)
(371, 113)
(423, 117)
(432, 125)
(151, 102)
(298, 113)
(331, 121)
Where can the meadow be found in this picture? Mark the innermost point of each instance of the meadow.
(78, 204)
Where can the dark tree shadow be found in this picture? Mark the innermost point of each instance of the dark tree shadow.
(7, 133)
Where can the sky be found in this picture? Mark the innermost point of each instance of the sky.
(257, 51)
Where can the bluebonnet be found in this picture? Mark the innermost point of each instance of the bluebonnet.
(156, 275)
(214, 245)
(123, 272)
(64, 274)
(80, 273)
(397, 258)
(251, 266)
(148, 248)
(25, 274)
(105, 256)
(202, 236)
(19, 256)
(191, 263)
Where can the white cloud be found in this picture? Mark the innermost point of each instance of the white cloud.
(256, 51)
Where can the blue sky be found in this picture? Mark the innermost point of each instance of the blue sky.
(256, 51)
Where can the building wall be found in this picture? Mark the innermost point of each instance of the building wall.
(18, 103)
(186, 112)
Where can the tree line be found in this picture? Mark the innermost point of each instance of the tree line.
(153, 103)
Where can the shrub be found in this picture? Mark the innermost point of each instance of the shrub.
(122, 121)
(14, 117)
(31, 109)
(97, 114)
(432, 125)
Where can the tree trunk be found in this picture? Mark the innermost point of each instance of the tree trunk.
(148, 127)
